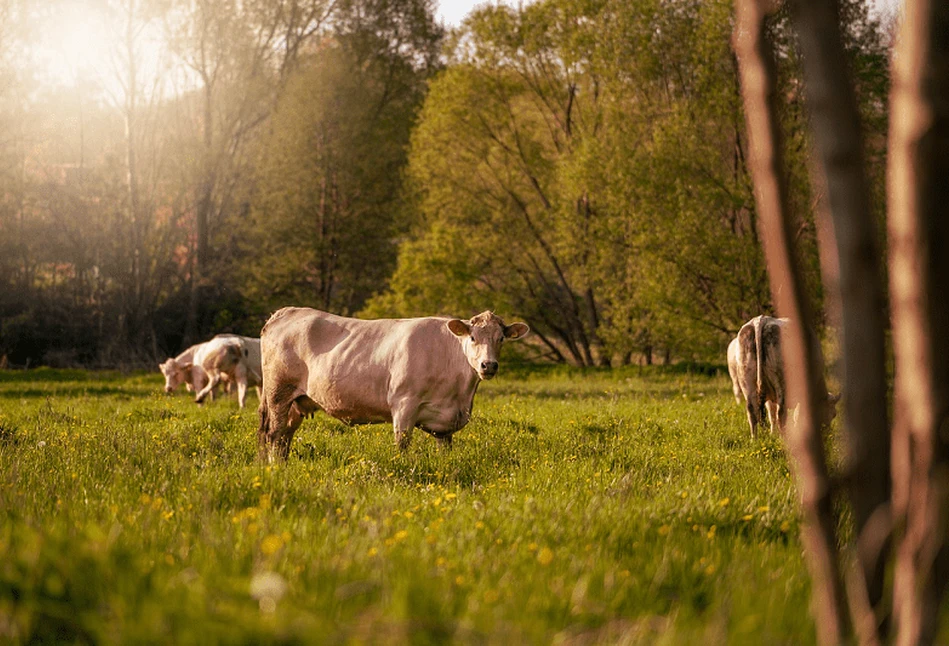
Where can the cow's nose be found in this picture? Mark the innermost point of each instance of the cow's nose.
(489, 367)
(168, 390)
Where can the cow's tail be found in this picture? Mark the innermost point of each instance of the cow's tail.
(759, 362)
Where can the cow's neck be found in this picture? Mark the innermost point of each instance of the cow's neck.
(187, 356)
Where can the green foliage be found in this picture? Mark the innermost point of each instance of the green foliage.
(590, 159)
(598, 506)
(326, 214)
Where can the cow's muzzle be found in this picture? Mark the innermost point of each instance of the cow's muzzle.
(488, 369)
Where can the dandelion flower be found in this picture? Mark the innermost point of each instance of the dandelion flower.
(271, 544)
(545, 556)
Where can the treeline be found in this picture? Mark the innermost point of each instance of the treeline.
(581, 164)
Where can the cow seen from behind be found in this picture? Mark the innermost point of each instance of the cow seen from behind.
(756, 368)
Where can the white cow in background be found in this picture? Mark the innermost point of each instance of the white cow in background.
(226, 357)
(756, 368)
(420, 372)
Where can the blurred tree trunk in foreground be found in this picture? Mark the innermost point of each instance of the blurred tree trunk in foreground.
(835, 122)
(918, 229)
(918, 273)
(803, 366)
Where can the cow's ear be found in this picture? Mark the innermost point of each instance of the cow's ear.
(459, 327)
(516, 331)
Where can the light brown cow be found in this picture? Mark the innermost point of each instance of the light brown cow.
(419, 372)
(756, 368)
(226, 357)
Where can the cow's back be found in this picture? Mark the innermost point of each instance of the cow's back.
(218, 353)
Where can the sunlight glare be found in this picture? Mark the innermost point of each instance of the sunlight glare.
(73, 47)
(79, 45)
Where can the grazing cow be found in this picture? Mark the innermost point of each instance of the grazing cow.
(226, 357)
(419, 372)
(756, 367)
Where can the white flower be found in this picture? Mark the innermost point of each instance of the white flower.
(268, 588)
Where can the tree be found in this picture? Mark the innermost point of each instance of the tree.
(241, 54)
(326, 213)
(599, 151)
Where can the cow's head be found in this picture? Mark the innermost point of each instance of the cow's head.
(482, 337)
(175, 374)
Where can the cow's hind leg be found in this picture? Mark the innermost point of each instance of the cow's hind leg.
(773, 415)
(274, 422)
(781, 410)
(299, 409)
(752, 409)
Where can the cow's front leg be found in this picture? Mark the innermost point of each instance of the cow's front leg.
(404, 416)
(209, 388)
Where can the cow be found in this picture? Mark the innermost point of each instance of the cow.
(226, 357)
(419, 372)
(756, 368)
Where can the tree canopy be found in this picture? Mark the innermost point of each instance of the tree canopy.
(581, 164)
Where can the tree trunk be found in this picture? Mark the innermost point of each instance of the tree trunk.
(803, 369)
(918, 229)
(835, 121)
(132, 287)
(202, 216)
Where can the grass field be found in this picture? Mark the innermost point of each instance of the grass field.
(577, 507)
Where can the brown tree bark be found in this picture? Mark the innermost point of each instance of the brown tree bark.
(835, 122)
(918, 229)
(803, 366)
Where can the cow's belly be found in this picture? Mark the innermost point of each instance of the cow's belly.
(357, 415)
(442, 419)
(354, 404)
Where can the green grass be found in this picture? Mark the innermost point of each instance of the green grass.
(577, 507)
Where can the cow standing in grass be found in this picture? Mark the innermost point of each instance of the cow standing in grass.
(226, 357)
(756, 368)
(420, 372)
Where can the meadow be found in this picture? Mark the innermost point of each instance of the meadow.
(578, 507)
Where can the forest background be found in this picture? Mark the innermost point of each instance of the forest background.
(578, 164)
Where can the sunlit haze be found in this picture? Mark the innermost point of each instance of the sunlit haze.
(77, 44)
(73, 46)
(452, 12)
